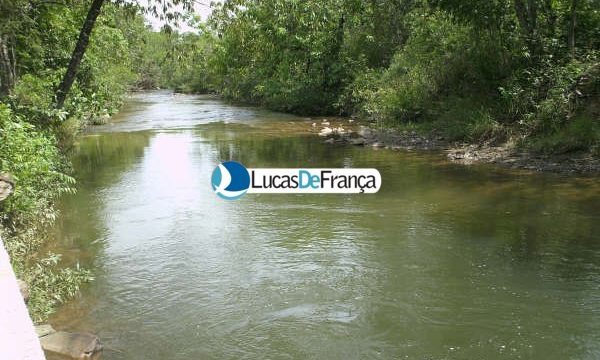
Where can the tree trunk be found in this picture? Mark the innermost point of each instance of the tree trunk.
(522, 16)
(7, 66)
(82, 43)
(550, 15)
(572, 24)
(527, 15)
(532, 14)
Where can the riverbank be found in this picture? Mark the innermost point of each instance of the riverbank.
(507, 154)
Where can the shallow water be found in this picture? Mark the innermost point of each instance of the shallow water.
(445, 262)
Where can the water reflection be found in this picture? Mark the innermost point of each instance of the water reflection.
(445, 261)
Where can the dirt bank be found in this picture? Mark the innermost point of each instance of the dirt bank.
(346, 131)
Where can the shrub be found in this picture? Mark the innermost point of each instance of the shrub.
(581, 133)
(33, 159)
(434, 58)
(35, 162)
(33, 98)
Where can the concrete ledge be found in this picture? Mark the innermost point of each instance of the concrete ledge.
(18, 339)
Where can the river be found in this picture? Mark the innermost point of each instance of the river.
(445, 262)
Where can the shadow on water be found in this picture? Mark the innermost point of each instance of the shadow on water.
(446, 261)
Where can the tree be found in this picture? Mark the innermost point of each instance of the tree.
(168, 10)
(9, 12)
(7, 65)
(572, 24)
(82, 44)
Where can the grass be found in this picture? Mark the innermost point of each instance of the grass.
(472, 119)
(468, 119)
(581, 133)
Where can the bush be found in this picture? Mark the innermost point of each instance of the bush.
(50, 284)
(434, 59)
(581, 133)
(33, 98)
(33, 159)
(466, 118)
(35, 162)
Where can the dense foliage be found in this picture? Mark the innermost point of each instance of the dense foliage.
(38, 38)
(473, 70)
(36, 164)
(167, 59)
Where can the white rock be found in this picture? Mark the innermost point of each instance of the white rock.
(365, 131)
(325, 131)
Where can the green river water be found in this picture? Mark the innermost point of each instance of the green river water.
(445, 262)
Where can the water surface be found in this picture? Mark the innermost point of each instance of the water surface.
(445, 262)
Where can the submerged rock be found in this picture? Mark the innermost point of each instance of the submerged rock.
(73, 345)
(43, 330)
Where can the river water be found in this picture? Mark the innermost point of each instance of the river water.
(445, 262)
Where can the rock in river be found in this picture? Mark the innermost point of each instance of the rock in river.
(73, 345)
(357, 141)
(43, 330)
